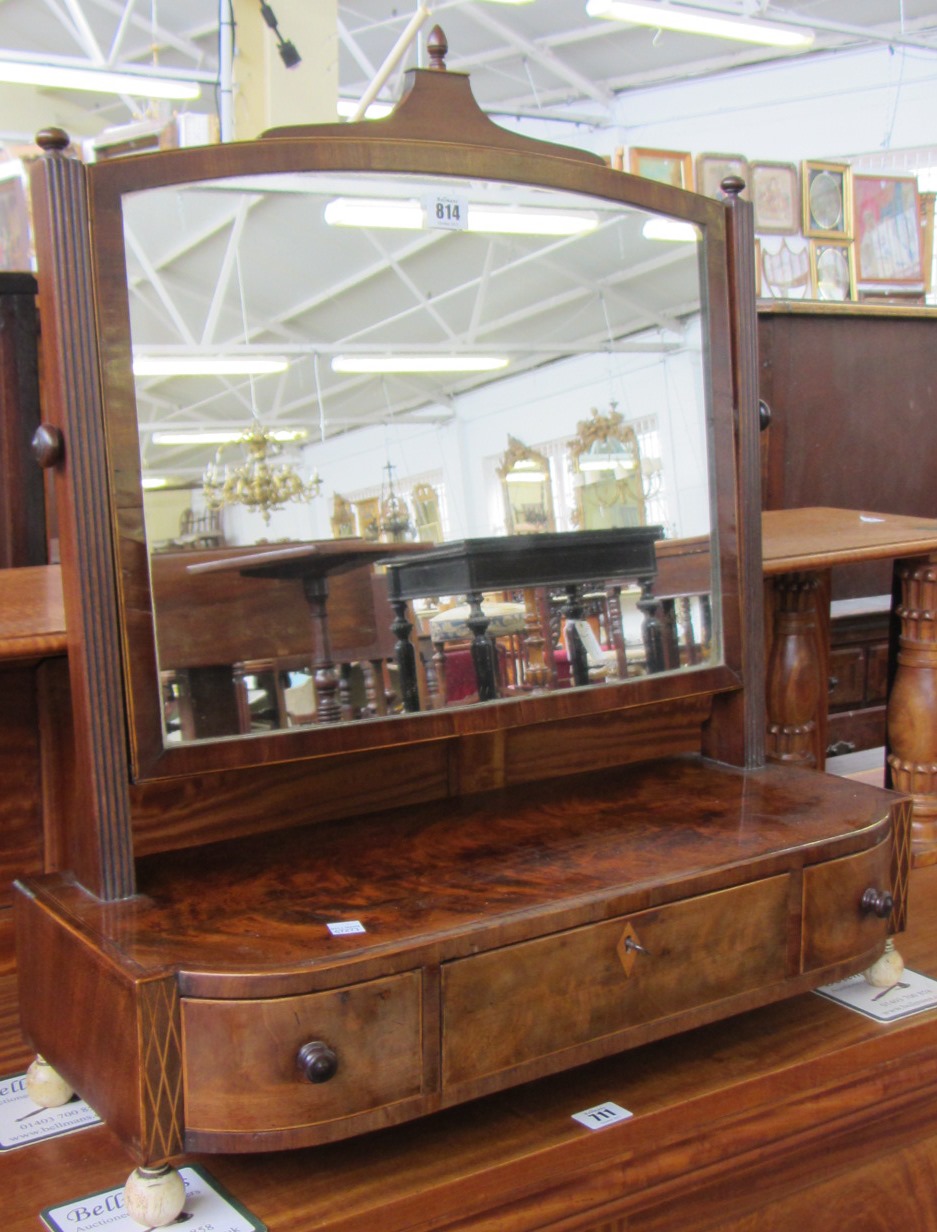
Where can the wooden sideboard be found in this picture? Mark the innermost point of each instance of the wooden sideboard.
(798, 1117)
(36, 764)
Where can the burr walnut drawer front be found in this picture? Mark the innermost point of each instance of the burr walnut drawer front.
(293, 1061)
(512, 1006)
(836, 923)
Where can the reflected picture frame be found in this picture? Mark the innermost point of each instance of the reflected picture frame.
(774, 191)
(827, 200)
(674, 167)
(833, 271)
(712, 169)
(889, 247)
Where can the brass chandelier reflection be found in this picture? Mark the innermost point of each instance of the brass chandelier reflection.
(255, 483)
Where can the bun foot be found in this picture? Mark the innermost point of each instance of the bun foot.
(45, 1086)
(154, 1197)
(886, 971)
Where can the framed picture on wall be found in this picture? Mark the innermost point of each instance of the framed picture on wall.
(827, 200)
(784, 267)
(774, 191)
(666, 166)
(712, 169)
(888, 229)
(832, 270)
(15, 239)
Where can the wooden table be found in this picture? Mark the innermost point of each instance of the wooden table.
(798, 1117)
(800, 547)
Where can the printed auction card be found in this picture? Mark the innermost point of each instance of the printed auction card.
(911, 995)
(23, 1122)
(208, 1208)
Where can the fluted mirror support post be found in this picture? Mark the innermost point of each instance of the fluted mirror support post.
(99, 848)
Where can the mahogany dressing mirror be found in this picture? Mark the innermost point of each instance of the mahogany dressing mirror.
(553, 285)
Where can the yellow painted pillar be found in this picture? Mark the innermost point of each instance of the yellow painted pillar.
(267, 94)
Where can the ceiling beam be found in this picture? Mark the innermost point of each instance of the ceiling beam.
(544, 56)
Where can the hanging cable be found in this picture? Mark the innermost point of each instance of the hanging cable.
(288, 53)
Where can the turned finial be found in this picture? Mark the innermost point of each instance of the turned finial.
(53, 140)
(437, 46)
(732, 185)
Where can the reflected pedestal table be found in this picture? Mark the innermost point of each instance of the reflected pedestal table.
(472, 567)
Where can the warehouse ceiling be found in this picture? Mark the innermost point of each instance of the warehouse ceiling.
(532, 58)
(207, 290)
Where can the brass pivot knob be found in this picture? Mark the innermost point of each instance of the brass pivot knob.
(876, 902)
(317, 1061)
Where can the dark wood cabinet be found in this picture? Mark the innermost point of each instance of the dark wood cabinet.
(851, 391)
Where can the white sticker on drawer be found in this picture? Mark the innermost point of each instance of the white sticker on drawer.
(343, 927)
(602, 1115)
(208, 1208)
(22, 1121)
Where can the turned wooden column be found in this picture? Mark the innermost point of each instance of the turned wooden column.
(794, 672)
(911, 716)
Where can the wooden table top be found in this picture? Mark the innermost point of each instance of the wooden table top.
(794, 1089)
(818, 538)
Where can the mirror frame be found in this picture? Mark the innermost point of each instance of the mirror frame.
(436, 130)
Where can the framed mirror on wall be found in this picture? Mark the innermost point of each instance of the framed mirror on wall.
(606, 457)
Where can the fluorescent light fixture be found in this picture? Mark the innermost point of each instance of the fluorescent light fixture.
(692, 21)
(151, 482)
(101, 81)
(408, 215)
(223, 437)
(670, 229)
(208, 365)
(418, 363)
(347, 107)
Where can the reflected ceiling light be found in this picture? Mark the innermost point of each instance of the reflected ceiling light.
(607, 455)
(418, 363)
(409, 215)
(257, 484)
(208, 365)
(692, 21)
(222, 437)
(100, 81)
(154, 481)
(670, 229)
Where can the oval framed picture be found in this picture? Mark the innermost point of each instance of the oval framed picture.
(827, 199)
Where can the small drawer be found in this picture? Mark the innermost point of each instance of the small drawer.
(511, 1006)
(240, 1057)
(835, 926)
(876, 680)
(847, 676)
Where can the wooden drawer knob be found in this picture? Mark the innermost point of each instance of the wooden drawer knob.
(317, 1061)
(48, 445)
(876, 902)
